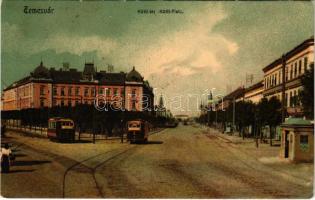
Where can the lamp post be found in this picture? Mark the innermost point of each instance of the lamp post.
(283, 99)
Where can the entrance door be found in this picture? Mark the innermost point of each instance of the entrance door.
(286, 145)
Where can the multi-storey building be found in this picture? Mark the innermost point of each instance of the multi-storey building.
(254, 93)
(234, 96)
(68, 87)
(296, 62)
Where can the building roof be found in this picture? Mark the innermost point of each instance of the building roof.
(65, 76)
(305, 44)
(19, 82)
(134, 75)
(235, 94)
(41, 73)
(89, 68)
(254, 86)
(111, 78)
(297, 122)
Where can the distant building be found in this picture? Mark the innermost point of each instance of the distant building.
(68, 87)
(297, 61)
(236, 95)
(254, 93)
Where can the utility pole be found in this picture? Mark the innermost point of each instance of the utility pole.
(233, 114)
(283, 100)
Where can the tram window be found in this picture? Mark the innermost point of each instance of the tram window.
(52, 125)
(134, 125)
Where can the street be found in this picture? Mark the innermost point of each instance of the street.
(184, 162)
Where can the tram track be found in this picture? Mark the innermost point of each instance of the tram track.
(252, 181)
(93, 170)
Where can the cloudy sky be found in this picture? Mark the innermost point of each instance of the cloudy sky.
(210, 45)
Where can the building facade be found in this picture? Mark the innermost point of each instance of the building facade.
(68, 87)
(254, 93)
(296, 62)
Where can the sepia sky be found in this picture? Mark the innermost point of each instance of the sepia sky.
(210, 45)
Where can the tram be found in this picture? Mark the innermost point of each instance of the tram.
(138, 131)
(61, 129)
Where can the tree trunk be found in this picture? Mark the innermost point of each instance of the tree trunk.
(261, 135)
(270, 135)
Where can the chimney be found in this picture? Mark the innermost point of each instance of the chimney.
(110, 68)
(65, 66)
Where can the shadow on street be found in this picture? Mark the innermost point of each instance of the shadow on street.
(30, 163)
(21, 170)
(155, 142)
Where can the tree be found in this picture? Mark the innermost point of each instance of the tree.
(306, 96)
(274, 115)
(268, 113)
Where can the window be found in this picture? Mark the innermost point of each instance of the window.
(69, 91)
(77, 91)
(122, 93)
(286, 74)
(62, 103)
(133, 93)
(300, 67)
(275, 79)
(54, 102)
(291, 73)
(62, 91)
(42, 90)
(92, 92)
(295, 70)
(298, 100)
(69, 103)
(76, 102)
(86, 92)
(55, 92)
(42, 103)
(101, 90)
(133, 105)
(303, 139)
(267, 82)
(115, 91)
(286, 99)
(305, 64)
(107, 91)
(294, 99)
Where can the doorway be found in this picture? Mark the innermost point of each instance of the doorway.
(286, 144)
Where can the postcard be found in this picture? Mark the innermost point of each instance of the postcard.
(157, 99)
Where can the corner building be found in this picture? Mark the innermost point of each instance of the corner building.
(297, 61)
(68, 87)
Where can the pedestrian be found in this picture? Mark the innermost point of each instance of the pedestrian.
(5, 158)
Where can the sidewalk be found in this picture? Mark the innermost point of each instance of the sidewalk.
(268, 156)
(42, 133)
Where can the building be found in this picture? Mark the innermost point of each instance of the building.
(254, 93)
(68, 87)
(296, 62)
(297, 140)
(234, 96)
